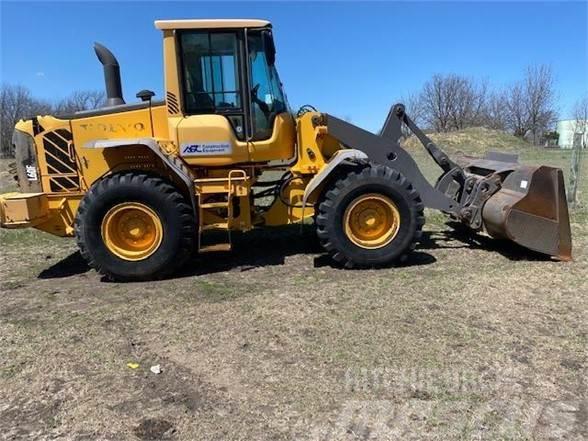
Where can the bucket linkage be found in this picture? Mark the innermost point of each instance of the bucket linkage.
(522, 203)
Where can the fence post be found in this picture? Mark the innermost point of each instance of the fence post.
(577, 146)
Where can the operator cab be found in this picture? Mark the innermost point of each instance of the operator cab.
(224, 85)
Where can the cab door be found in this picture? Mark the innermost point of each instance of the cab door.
(213, 130)
(273, 130)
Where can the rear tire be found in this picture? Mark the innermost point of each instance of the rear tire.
(133, 226)
(369, 218)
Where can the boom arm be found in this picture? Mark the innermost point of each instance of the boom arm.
(386, 150)
(391, 129)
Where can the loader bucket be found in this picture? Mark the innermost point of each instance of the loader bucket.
(530, 208)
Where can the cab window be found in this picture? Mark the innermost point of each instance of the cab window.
(210, 68)
(267, 98)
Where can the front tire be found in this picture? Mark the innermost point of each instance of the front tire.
(369, 218)
(133, 226)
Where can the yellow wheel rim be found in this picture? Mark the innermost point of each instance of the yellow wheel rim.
(371, 221)
(132, 231)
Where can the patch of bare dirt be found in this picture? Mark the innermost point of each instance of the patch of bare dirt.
(470, 338)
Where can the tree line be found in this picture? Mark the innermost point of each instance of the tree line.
(17, 102)
(526, 108)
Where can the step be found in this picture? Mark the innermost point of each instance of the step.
(212, 189)
(238, 188)
(215, 226)
(217, 247)
(215, 205)
(239, 185)
(216, 180)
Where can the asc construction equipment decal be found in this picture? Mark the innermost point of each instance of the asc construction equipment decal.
(206, 148)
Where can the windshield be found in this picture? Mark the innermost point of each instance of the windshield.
(267, 96)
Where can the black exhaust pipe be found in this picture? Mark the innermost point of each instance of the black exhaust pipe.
(111, 75)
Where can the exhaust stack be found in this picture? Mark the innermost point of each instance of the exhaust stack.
(111, 75)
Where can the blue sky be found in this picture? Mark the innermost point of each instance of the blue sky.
(351, 59)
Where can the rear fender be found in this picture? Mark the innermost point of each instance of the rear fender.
(174, 164)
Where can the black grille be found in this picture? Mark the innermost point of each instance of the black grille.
(61, 167)
(64, 183)
(172, 103)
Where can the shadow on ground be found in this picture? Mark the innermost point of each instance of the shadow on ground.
(72, 265)
(458, 236)
(271, 246)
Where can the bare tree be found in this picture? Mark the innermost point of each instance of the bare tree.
(540, 99)
(530, 103)
(453, 102)
(516, 110)
(496, 111)
(81, 100)
(469, 105)
(581, 122)
(580, 141)
(414, 109)
(437, 100)
(16, 102)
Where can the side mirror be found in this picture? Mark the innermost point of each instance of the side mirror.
(268, 46)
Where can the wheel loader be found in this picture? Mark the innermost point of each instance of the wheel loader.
(141, 186)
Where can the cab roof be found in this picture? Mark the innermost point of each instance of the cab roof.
(211, 24)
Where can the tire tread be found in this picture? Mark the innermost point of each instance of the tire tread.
(153, 183)
(326, 209)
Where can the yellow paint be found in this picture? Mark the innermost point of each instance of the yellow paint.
(51, 213)
(132, 231)
(218, 196)
(62, 211)
(315, 147)
(282, 214)
(23, 209)
(371, 221)
(171, 76)
(280, 147)
(95, 163)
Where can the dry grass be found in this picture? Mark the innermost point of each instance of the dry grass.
(469, 339)
(475, 141)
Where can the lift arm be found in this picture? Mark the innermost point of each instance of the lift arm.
(386, 150)
(392, 130)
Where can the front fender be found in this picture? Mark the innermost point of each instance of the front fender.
(340, 156)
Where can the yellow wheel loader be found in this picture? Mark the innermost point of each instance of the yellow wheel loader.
(141, 185)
